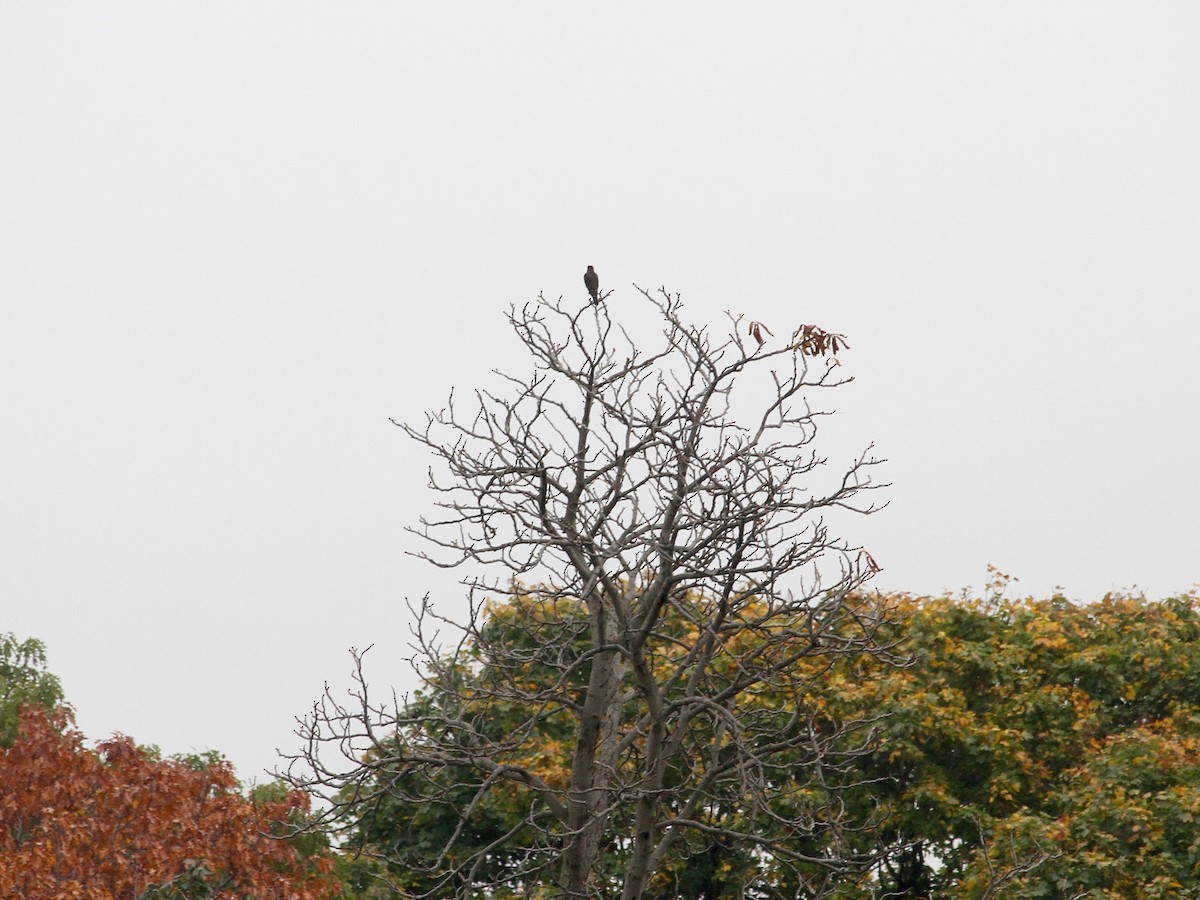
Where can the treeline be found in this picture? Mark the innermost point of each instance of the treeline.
(1011, 748)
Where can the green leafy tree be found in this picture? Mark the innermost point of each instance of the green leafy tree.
(23, 680)
(1120, 814)
(1129, 821)
(1002, 740)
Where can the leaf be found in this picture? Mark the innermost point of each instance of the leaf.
(756, 332)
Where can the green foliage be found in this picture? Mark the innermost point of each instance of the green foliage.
(1130, 819)
(1032, 749)
(422, 809)
(310, 844)
(23, 680)
(201, 762)
(418, 810)
(1033, 743)
(197, 882)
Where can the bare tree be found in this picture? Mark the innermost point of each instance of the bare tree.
(654, 585)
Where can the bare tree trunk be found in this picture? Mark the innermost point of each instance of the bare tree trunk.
(593, 761)
(637, 872)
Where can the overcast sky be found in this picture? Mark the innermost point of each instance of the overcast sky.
(237, 237)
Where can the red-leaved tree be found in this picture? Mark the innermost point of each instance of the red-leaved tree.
(118, 821)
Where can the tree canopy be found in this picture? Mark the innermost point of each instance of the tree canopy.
(1031, 749)
(119, 821)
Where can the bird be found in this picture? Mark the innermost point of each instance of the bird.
(592, 282)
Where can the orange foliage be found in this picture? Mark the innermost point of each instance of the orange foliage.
(810, 340)
(114, 821)
(814, 341)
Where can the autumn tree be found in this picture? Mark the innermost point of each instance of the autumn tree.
(1034, 748)
(118, 821)
(1117, 790)
(652, 515)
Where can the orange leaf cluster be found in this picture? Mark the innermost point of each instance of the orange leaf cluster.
(810, 340)
(117, 820)
(814, 341)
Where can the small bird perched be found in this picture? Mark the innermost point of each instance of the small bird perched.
(592, 282)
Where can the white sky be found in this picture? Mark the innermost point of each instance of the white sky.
(236, 237)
